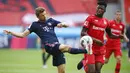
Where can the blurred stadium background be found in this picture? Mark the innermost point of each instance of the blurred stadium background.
(24, 55)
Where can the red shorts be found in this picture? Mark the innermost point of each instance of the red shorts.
(116, 51)
(92, 59)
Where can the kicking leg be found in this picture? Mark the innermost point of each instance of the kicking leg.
(65, 48)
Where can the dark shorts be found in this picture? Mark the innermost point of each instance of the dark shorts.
(128, 45)
(58, 56)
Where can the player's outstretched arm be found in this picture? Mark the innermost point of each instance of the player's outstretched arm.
(60, 25)
(19, 35)
(124, 37)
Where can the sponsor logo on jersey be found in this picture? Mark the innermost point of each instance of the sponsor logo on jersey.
(49, 24)
(98, 28)
(86, 23)
(105, 22)
(121, 27)
(96, 20)
(113, 25)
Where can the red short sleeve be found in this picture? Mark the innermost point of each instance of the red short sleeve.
(87, 22)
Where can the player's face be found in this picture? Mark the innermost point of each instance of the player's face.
(100, 10)
(118, 16)
(42, 16)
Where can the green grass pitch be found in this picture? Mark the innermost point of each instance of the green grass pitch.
(30, 61)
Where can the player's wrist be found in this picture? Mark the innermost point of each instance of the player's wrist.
(64, 24)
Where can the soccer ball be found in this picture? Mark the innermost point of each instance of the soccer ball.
(85, 41)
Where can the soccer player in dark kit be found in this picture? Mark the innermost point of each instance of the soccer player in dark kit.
(44, 28)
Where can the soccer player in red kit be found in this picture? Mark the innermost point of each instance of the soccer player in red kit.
(114, 45)
(96, 26)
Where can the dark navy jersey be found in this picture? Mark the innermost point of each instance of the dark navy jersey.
(45, 30)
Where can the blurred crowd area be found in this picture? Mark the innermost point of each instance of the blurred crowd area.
(17, 15)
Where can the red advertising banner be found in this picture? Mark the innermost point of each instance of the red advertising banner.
(12, 11)
(127, 10)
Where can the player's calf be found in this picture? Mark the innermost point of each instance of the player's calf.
(66, 48)
(118, 64)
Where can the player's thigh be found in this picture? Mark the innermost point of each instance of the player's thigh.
(61, 68)
(64, 48)
(108, 54)
(91, 63)
(118, 54)
(43, 50)
(59, 59)
(100, 58)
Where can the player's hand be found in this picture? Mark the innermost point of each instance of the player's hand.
(6, 32)
(98, 42)
(126, 40)
(121, 36)
(105, 40)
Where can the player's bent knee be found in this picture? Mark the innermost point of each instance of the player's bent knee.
(43, 50)
(64, 48)
(61, 68)
(118, 58)
(106, 61)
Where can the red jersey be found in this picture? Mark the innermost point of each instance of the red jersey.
(116, 29)
(96, 28)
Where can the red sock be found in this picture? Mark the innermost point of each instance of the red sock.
(117, 69)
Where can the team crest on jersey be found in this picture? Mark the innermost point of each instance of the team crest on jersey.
(86, 23)
(96, 20)
(49, 24)
(105, 22)
(113, 25)
(120, 26)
